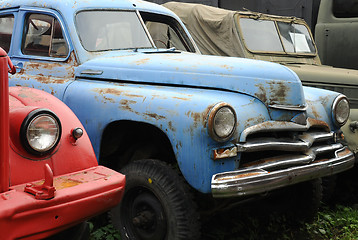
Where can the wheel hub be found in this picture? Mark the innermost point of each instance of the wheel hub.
(144, 220)
(146, 215)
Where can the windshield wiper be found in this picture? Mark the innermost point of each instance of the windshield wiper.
(169, 50)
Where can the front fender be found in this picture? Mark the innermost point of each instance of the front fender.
(181, 113)
(319, 104)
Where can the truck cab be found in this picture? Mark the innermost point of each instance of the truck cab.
(50, 180)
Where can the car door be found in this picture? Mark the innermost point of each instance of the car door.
(40, 50)
(336, 33)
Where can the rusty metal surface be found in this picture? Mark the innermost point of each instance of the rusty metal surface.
(165, 89)
(257, 180)
(100, 190)
(36, 210)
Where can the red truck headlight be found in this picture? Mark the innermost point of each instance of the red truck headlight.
(40, 131)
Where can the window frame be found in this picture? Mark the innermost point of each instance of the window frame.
(14, 14)
(174, 24)
(114, 10)
(53, 21)
(275, 20)
(17, 43)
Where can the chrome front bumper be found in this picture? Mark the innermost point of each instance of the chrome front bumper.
(255, 180)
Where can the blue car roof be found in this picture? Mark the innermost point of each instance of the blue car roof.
(72, 6)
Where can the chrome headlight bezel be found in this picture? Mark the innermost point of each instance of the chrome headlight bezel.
(32, 135)
(340, 116)
(214, 119)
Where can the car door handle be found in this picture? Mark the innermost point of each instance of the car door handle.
(19, 66)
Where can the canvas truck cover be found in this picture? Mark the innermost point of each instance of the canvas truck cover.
(217, 32)
(215, 29)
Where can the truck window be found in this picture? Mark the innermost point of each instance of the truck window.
(296, 38)
(269, 40)
(6, 27)
(276, 36)
(345, 8)
(43, 37)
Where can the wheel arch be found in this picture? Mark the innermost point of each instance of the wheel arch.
(125, 141)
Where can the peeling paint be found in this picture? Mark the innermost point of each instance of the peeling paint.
(155, 116)
(273, 92)
(104, 91)
(171, 127)
(142, 61)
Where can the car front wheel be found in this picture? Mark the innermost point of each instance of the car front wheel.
(157, 204)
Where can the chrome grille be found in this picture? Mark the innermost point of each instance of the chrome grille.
(276, 145)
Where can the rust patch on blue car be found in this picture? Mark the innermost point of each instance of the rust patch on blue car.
(272, 92)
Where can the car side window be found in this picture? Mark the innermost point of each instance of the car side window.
(6, 28)
(164, 36)
(43, 37)
(166, 32)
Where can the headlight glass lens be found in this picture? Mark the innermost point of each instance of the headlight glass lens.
(341, 111)
(224, 122)
(43, 133)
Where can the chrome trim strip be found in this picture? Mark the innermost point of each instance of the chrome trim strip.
(302, 143)
(262, 144)
(280, 161)
(257, 180)
(277, 126)
(291, 159)
(92, 72)
(288, 107)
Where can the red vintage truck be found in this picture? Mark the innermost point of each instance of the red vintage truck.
(50, 181)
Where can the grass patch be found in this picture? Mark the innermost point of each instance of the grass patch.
(337, 221)
(335, 224)
(107, 232)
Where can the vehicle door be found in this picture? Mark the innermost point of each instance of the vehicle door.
(40, 49)
(336, 33)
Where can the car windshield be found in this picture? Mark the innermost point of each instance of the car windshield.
(276, 37)
(111, 30)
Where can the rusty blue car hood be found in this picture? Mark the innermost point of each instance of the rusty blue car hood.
(271, 83)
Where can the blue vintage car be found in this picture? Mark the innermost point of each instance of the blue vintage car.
(177, 123)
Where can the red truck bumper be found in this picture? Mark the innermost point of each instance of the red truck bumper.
(78, 196)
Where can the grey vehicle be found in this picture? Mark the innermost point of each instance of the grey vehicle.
(284, 40)
(336, 33)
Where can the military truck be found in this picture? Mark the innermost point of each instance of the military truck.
(181, 126)
(336, 33)
(50, 180)
(279, 39)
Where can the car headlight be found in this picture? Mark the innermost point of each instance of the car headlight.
(40, 131)
(222, 122)
(340, 110)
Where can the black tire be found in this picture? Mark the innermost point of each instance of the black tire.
(302, 201)
(328, 186)
(297, 203)
(157, 204)
(308, 197)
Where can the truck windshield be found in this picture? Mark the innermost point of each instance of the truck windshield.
(276, 37)
(103, 30)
